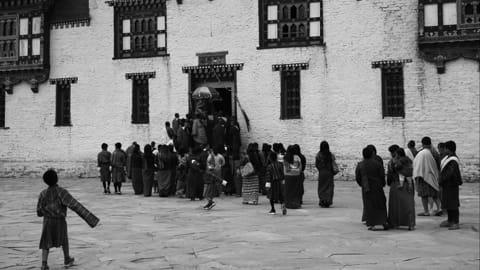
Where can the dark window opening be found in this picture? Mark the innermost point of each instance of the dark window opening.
(140, 102)
(393, 92)
(290, 95)
(2, 107)
(63, 105)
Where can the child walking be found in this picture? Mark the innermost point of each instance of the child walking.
(52, 206)
(212, 176)
(275, 183)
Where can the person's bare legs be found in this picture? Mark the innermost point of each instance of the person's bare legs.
(44, 258)
(425, 203)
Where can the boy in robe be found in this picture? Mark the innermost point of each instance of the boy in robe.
(52, 206)
(450, 180)
(103, 162)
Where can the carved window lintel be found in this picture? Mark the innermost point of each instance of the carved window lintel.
(66, 80)
(390, 63)
(140, 75)
(290, 67)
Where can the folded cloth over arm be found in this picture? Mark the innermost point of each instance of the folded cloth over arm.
(78, 208)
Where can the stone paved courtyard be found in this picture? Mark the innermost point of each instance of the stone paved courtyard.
(171, 233)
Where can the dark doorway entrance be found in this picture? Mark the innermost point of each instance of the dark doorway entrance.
(224, 104)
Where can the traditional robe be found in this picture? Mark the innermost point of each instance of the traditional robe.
(370, 175)
(401, 204)
(182, 140)
(450, 180)
(148, 173)
(293, 182)
(103, 162)
(199, 132)
(136, 172)
(425, 166)
(119, 161)
(325, 180)
(194, 179)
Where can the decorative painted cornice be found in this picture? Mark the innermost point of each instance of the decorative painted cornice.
(212, 68)
(140, 75)
(390, 63)
(68, 80)
(290, 67)
(4, 4)
(129, 3)
(70, 24)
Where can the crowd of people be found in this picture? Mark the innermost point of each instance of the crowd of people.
(202, 159)
(436, 176)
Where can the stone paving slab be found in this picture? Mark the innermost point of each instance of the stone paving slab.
(171, 233)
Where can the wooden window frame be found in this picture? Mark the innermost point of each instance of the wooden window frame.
(140, 110)
(63, 105)
(287, 109)
(284, 42)
(391, 93)
(139, 13)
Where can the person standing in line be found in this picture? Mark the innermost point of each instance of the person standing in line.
(370, 175)
(411, 151)
(292, 169)
(182, 139)
(275, 183)
(303, 160)
(218, 136)
(52, 206)
(425, 173)
(450, 180)
(401, 204)
(129, 152)
(442, 153)
(235, 144)
(103, 162)
(148, 170)
(249, 181)
(170, 133)
(181, 175)
(136, 170)
(176, 123)
(379, 159)
(199, 130)
(119, 162)
(324, 163)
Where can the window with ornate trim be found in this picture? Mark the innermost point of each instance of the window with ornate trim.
(290, 105)
(290, 23)
(62, 115)
(140, 96)
(140, 28)
(21, 38)
(392, 91)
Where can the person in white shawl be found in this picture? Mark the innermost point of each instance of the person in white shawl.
(426, 174)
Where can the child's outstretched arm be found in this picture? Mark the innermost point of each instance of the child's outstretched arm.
(78, 208)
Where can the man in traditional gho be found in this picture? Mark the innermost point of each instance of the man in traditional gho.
(170, 133)
(176, 123)
(370, 175)
(182, 140)
(425, 173)
(450, 180)
(103, 163)
(199, 130)
(119, 162)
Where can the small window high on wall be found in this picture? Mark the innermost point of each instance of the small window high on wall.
(290, 96)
